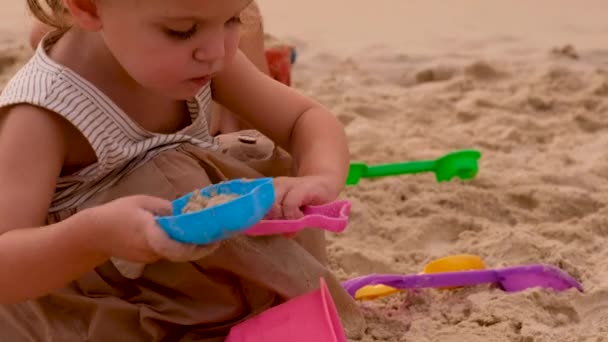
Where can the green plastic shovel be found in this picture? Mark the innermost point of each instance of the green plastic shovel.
(458, 163)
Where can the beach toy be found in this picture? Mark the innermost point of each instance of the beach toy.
(458, 163)
(307, 318)
(254, 199)
(510, 279)
(461, 262)
(371, 292)
(280, 58)
(332, 217)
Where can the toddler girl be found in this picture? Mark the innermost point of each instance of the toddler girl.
(107, 123)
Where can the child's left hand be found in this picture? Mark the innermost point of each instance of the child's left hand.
(293, 193)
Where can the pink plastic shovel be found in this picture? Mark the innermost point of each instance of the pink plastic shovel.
(332, 217)
(309, 318)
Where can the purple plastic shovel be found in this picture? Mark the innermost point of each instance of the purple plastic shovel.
(332, 217)
(510, 279)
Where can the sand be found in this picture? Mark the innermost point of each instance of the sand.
(199, 202)
(524, 82)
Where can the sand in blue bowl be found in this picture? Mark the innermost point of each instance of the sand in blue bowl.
(219, 211)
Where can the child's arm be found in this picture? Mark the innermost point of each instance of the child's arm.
(35, 259)
(252, 46)
(310, 132)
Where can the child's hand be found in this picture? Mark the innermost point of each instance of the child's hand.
(293, 193)
(126, 228)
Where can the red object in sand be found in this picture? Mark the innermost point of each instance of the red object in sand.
(279, 60)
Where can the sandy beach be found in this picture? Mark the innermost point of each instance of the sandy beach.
(525, 83)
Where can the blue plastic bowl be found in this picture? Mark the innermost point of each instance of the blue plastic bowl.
(222, 221)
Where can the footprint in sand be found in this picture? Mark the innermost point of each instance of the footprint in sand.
(372, 109)
(601, 89)
(598, 223)
(589, 123)
(477, 203)
(346, 117)
(566, 51)
(523, 200)
(357, 263)
(562, 205)
(562, 80)
(560, 310)
(594, 307)
(552, 203)
(482, 70)
(540, 103)
(446, 229)
(465, 116)
(435, 74)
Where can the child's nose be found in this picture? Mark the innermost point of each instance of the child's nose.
(211, 47)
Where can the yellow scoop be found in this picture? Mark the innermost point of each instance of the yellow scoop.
(452, 263)
(372, 292)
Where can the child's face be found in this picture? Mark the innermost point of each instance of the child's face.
(172, 47)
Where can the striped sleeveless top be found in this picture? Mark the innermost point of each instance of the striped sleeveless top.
(120, 144)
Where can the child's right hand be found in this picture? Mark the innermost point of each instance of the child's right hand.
(126, 228)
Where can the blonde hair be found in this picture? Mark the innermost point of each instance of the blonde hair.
(56, 15)
(251, 17)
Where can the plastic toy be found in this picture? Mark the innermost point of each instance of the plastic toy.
(459, 163)
(254, 201)
(461, 262)
(280, 58)
(310, 317)
(510, 279)
(332, 217)
(245, 214)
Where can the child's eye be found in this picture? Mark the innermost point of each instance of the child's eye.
(234, 21)
(183, 35)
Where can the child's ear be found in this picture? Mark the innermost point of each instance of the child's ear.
(84, 14)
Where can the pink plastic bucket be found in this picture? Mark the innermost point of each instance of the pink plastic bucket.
(308, 318)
